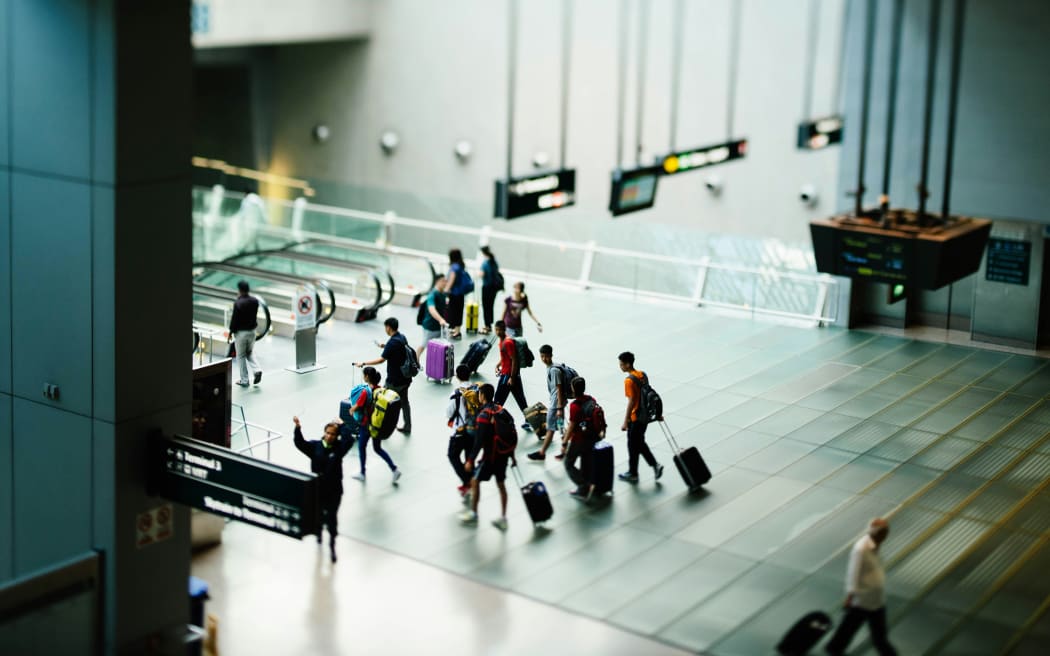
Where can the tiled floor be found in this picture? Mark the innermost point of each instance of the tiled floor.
(809, 432)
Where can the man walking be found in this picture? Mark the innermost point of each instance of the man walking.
(464, 404)
(508, 372)
(242, 328)
(865, 593)
(495, 443)
(558, 378)
(397, 355)
(634, 423)
(583, 434)
(326, 460)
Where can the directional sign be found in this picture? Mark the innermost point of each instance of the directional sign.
(220, 481)
(696, 158)
(535, 193)
(820, 133)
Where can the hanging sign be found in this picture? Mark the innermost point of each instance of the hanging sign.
(535, 193)
(688, 160)
(820, 133)
(304, 307)
(633, 189)
(225, 483)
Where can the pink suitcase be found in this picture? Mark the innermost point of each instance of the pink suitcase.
(440, 360)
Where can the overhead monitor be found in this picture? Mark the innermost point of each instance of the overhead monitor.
(538, 192)
(633, 190)
(820, 132)
(696, 158)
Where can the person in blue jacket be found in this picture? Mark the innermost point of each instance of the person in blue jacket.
(326, 460)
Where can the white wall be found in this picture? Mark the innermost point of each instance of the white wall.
(224, 23)
(436, 72)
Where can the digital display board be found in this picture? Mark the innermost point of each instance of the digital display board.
(820, 133)
(1008, 261)
(633, 190)
(535, 193)
(225, 483)
(877, 257)
(697, 158)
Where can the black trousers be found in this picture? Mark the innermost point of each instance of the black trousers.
(488, 300)
(454, 311)
(851, 623)
(583, 451)
(503, 390)
(406, 408)
(330, 514)
(636, 446)
(457, 444)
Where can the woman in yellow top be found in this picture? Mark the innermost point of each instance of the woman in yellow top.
(633, 424)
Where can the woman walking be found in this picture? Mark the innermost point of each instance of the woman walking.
(491, 285)
(516, 304)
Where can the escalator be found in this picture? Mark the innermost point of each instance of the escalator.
(211, 313)
(278, 287)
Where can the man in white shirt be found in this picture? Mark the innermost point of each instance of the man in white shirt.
(865, 593)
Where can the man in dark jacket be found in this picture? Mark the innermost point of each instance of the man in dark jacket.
(326, 460)
(395, 352)
(242, 330)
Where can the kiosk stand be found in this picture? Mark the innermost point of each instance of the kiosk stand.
(304, 308)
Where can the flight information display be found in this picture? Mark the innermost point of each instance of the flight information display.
(633, 190)
(820, 133)
(697, 158)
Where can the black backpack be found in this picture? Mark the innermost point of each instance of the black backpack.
(422, 313)
(651, 406)
(593, 424)
(523, 353)
(567, 374)
(410, 365)
(504, 432)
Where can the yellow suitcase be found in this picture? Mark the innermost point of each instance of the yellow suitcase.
(472, 317)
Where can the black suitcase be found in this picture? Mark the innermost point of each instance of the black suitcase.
(476, 354)
(603, 463)
(689, 462)
(805, 634)
(537, 501)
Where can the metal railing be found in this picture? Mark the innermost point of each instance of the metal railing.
(757, 290)
(244, 426)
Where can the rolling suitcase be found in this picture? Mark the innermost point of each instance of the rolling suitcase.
(690, 464)
(471, 323)
(805, 634)
(603, 463)
(440, 359)
(476, 354)
(537, 501)
(536, 415)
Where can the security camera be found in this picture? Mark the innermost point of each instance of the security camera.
(389, 141)
(713, 183)
(808, 195)
(321, 133)
(463, 150)
(541, 160)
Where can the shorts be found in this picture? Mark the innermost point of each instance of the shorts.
(552, 418)
(487, 468)
(430, 334)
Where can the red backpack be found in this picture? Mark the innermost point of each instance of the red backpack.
(592, 426)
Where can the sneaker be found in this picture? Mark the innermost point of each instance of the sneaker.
(243, 383)
(468, 517)
(582, 495)
(659, 470)
(333, 555)
(500, 523)
(536, 455)
(560, 456)
(397, 476)
(463, 490)
(527, 427)
(359, 476)
(404, 429)
(258, 377)
(628, 477)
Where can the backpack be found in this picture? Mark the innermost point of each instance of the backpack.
(410, 365)
(593, 425)
(523, 354)
(499, 281)
(386, 408)
(651, 406)
(422, 313)
(504, 432)
(470, 397)
(567, 374)
(355, 394)
(464, 285)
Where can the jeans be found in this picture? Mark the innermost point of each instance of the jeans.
(406, 409)
(457, 444)
(876, 620)
(244, 341)
(636, 446)
(362, 448)
(582, 450)
(503, 390)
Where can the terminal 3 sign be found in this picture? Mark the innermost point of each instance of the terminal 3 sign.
(225, 483)
(535, 193)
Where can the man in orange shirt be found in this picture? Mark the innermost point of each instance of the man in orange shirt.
(634, 423)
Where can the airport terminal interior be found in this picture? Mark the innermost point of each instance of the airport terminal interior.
(820, 226)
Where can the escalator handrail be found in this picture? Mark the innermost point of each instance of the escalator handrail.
(335, 263)
(265, 274)
(353, 244)
(204, 289)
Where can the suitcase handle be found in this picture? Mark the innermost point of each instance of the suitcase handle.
(518, 478)
(669, 435)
